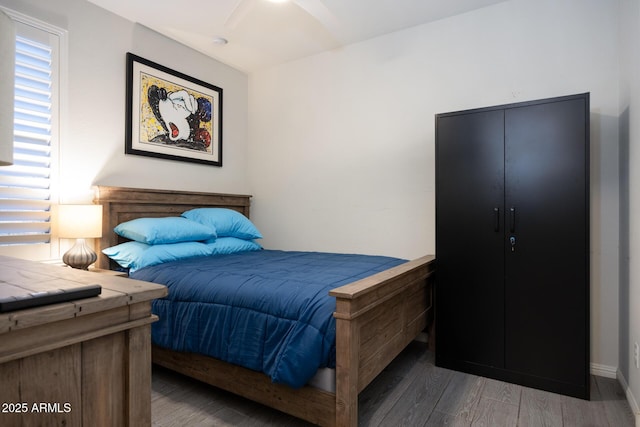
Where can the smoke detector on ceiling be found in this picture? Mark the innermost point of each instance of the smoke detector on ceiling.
(220, 41)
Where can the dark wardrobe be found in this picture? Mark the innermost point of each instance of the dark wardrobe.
(512, 243)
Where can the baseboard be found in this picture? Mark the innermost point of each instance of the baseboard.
(633, 403)
(604, 370)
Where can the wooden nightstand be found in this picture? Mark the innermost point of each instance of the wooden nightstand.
(109, 272)
(84, 362)
(92, 268)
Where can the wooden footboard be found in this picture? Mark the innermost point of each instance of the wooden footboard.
(376, 318)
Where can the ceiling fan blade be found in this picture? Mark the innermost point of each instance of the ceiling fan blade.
(242, 8)
(322, 14)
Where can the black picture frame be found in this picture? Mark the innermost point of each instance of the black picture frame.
(171, 115)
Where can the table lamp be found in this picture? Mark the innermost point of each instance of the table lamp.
(80, 222)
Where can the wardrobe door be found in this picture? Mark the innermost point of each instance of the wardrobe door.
(469, 238)
(546, 290)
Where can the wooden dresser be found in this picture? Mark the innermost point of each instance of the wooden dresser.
(78, 363)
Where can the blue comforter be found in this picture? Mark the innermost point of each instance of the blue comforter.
(266, 310)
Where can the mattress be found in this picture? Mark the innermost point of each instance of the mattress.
(267, 310)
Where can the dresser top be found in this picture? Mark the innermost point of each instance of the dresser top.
(37, 277)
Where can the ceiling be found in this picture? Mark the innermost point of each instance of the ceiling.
(262, 33)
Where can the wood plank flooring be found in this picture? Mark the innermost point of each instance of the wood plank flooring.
(412, 391)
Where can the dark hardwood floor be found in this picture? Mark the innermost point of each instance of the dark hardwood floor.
(412, 391)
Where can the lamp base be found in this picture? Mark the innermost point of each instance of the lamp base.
(80, 256)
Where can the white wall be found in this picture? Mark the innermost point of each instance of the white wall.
(341, 144)
(92, 148)
(630, 197)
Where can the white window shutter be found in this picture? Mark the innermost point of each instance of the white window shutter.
(25, 187)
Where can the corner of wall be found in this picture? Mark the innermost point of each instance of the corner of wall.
(633, 402)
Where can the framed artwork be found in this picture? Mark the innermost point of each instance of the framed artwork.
(170, 115)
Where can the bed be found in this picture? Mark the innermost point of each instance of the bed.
(375, 317)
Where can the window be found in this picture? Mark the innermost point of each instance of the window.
(28, 187)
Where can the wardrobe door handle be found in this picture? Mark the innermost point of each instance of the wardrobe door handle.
(496, 218)
(512, 216)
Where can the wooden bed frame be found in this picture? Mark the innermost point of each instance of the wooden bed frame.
(376, 317)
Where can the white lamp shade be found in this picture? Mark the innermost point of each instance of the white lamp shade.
(79, 221)
(7, 72)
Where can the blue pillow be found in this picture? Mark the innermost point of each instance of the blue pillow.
(226, 222)
(157, 231)
(230, 245)
(136, 255)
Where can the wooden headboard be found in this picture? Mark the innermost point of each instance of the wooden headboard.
(120, 204)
